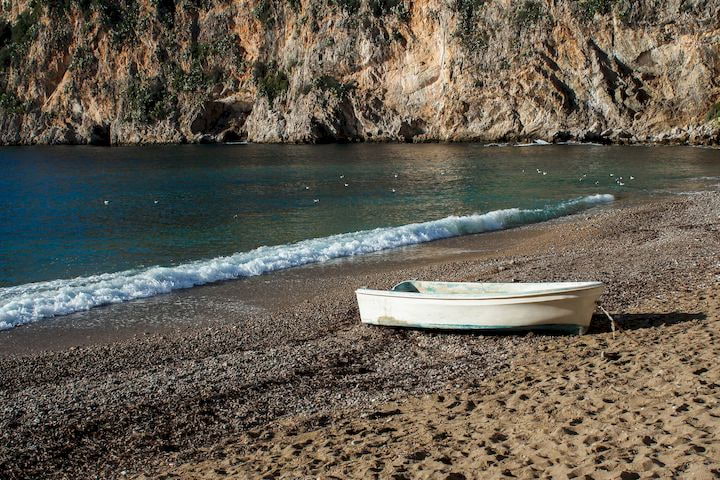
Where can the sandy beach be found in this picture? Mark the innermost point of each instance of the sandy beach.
(298, 388)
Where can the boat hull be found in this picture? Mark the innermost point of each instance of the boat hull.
(561, 312)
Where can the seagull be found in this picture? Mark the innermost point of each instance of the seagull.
(342, 176)
(596, 183)
(347, 185)
(316, 200)
(632, 178)
(396, 175)
(307, 188)
(393, 190)
(155, 202)
(544, 173)
(612, 174)
(106, 202)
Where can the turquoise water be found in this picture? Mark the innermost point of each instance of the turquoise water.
(68, 212)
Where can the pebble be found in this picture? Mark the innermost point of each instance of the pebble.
(155, 396)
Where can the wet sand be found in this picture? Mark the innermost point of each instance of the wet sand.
(302, 389)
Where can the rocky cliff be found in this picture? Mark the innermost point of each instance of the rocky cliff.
(157, 71)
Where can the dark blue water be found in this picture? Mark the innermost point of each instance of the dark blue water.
(77, 211)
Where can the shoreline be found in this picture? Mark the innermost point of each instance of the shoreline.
(143, 404)
(105, 325)
(519, 142)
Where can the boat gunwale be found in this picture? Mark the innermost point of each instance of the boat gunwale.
(584, 288)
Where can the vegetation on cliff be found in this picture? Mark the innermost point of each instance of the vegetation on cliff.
(304, 71)
(714, 113)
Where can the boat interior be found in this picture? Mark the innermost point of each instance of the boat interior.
(468, 288)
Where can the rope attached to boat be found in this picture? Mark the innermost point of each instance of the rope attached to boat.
(612, 320)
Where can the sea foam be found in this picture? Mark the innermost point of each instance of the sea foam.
(30, 302)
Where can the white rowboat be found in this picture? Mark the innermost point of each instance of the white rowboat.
(565, 307)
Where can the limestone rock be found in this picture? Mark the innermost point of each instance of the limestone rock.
(387, 70)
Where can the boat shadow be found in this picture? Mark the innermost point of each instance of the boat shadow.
(639, 321)
(599, 324)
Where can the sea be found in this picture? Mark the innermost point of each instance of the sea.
(82, 227)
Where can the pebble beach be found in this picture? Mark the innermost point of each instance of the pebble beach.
(304, 390)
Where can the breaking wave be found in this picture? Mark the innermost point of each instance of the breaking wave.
(30, 302)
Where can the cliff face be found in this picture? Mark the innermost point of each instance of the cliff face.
(156, 71)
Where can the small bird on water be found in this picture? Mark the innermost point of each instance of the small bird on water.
(106, 202)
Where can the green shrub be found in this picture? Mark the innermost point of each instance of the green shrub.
(331, 84)
(206, 60)
(25, 28)
(194, 80)
(54, 7)
(224, 46)
(5, 43)
(83, 58)
(15, 39)
(469, 12)
(6, 56)
(165, 12)
(57, 8)
(349, 6)
(10, 103)
(714, 113)
(196, 4)
(529, 13)
(5, 33)
(263, 11)
(378, 8)
(381, 8)
(120, 18)
(590, 8)
(148, 102)
(60, 37)
(270, 80)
